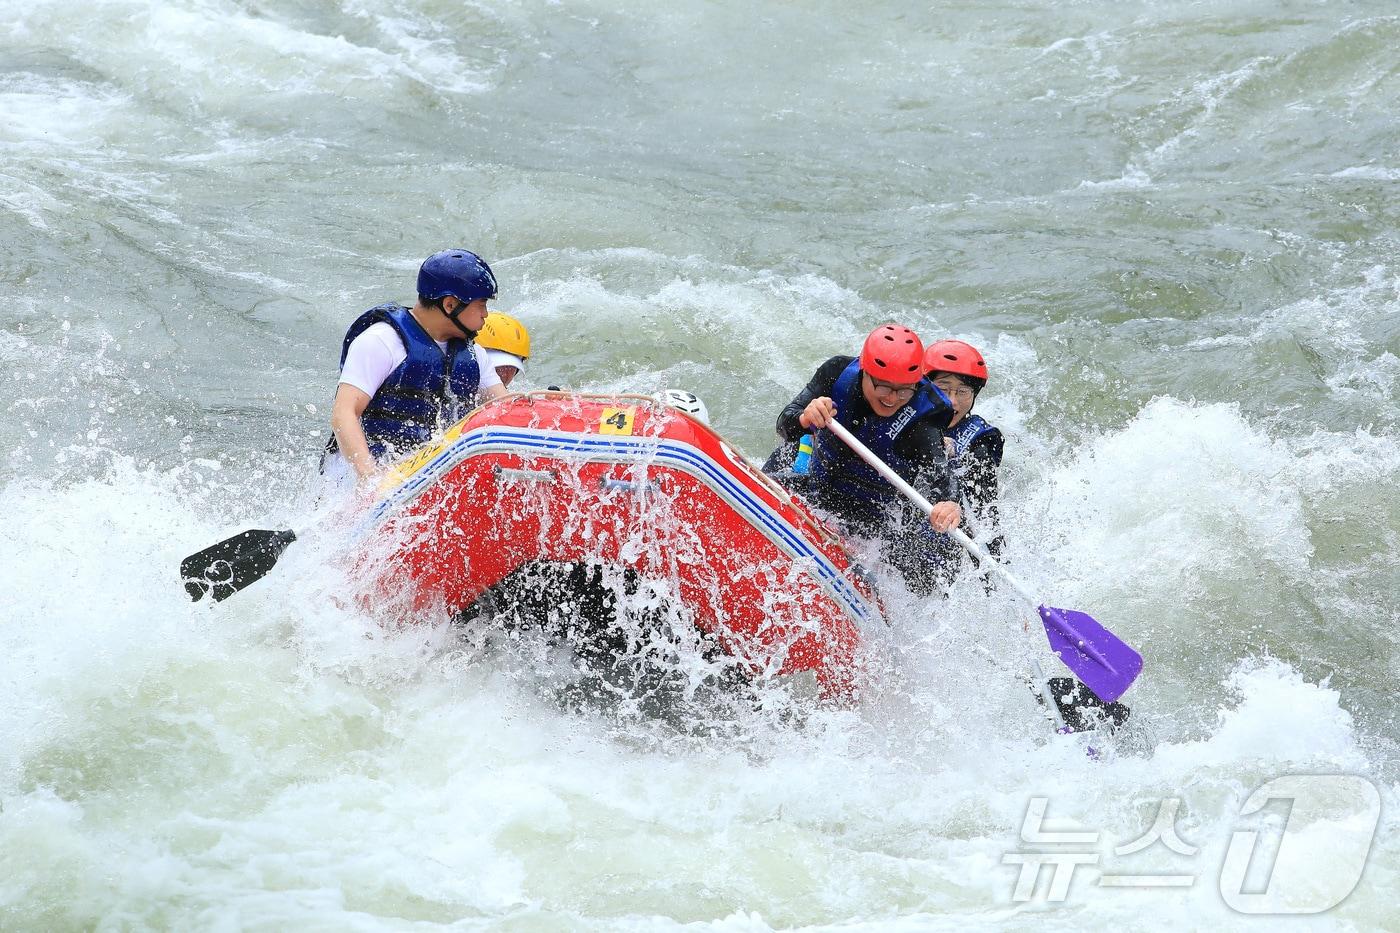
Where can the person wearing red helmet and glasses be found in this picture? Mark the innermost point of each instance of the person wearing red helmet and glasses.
(881, 398)
(974, 447)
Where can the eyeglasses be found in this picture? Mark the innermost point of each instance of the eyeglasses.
(954, 389)
(903, 393)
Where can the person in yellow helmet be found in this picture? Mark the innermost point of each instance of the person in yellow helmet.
(507, 345)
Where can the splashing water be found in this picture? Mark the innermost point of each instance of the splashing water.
(1169, 227)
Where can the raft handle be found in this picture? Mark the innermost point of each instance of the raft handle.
(509, 474)
(627, 485)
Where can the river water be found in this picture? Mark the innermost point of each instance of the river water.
(1170, 226)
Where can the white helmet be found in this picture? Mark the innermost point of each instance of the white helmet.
(687, 402)
(502, 358)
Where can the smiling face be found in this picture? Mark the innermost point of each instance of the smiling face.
(959, 393)
(885, 398)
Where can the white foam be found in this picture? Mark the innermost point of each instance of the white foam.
(1162, 499)
(649, 301)
(1199, 106)
(1133, 178)
(1368, 172)
(48, 114)
(283, 757)
(255, 51)
(285, 760)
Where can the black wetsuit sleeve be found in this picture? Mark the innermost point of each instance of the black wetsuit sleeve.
(979, 475)
(822, 383)
(980, 489)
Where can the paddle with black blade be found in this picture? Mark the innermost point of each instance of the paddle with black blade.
(1101, 660)
(223, 569)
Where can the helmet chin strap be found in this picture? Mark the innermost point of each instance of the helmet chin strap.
(456, 313)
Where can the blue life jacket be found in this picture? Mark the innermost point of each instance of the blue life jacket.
(429, 390)
(965, 432)
(837, 468)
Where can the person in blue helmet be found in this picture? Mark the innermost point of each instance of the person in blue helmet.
(406, 373)
(881, 398)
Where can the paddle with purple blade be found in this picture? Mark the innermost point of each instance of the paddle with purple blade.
(1104, 662)
(1099, 658)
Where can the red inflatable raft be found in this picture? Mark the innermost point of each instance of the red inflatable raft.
(625, 482)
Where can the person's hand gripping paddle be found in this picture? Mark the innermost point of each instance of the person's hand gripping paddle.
(1101, 660)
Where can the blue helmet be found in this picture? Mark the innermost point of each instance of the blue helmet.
(457, 272)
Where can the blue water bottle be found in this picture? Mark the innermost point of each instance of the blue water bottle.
(803, 464)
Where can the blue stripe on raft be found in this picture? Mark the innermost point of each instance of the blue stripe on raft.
(653, 449)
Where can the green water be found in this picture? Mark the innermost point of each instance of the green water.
(1169, 226)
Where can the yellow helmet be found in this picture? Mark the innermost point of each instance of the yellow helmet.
(503, 332)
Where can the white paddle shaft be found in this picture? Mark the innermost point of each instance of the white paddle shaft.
(917, 498)
(1041, 685)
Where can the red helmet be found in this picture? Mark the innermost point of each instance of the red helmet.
(893, 353)
(958, 358)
